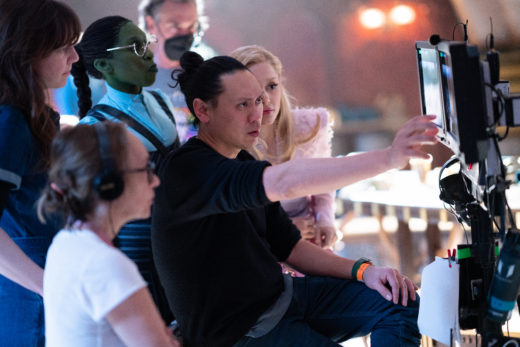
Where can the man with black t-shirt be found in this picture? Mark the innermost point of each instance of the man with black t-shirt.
(219, 231)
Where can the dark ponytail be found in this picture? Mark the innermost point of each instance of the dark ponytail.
(199, 78)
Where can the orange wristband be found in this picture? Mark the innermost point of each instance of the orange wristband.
(361, 270)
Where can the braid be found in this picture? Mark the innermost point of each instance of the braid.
(81, 81)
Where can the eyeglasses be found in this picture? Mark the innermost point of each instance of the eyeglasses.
(139, 47)
(149, 169)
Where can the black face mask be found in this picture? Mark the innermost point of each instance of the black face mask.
(175, 46)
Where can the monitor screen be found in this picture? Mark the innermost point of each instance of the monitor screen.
(430, 83)
(452, 89)
(450, 119)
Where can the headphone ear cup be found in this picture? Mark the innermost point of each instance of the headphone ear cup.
(109, 185)
(453, 189)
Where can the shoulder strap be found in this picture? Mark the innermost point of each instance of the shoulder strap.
(130, 122)
(163, 105)
(168, 112)
(96, 115)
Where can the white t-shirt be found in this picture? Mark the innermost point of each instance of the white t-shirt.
(84, 279)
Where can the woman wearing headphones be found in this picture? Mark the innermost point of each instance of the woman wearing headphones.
(100, 178)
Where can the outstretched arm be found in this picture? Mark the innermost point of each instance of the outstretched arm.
(301, 177)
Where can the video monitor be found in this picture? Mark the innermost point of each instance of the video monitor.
(430, 81)
(452, 88)
(431, 90)
(465, 104)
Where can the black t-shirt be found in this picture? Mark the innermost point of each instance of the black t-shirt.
(217, 240)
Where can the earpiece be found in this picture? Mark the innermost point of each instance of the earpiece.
(108, 183)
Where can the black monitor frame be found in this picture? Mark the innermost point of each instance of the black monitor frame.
(462, 120)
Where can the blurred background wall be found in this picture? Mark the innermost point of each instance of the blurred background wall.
(366, 76)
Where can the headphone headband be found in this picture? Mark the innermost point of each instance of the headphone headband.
(108, 183)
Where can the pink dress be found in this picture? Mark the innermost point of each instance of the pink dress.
(320, 206)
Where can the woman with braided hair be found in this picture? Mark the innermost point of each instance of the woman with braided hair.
(116, 50)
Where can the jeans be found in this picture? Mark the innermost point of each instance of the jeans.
(325, 311)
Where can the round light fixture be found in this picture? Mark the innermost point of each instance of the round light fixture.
(372, 18)
(402, 15)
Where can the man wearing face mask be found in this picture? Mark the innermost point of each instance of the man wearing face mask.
(178, 26)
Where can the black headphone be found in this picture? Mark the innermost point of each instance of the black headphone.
(109, 182)
(455, 188)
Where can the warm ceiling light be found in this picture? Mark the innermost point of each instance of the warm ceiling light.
(372, 18)
(402, 15)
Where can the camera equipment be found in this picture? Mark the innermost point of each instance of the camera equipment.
(469, 100)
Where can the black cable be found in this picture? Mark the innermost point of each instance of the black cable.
(501, 103)
(491, 37)
(459, 219)
(466, 31)
(465, 28)
(486, 41)
(499, 154)
(455, 28)
(512, 220)
(503, 173)
(465, 233)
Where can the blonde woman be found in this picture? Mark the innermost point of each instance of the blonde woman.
(288, 134)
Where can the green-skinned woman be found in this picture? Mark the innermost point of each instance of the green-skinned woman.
(116, 50)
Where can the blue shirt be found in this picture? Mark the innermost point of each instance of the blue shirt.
(66, 98)
(145, 110)
(20, 165)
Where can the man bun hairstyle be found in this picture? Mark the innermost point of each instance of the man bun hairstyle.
(199, 78)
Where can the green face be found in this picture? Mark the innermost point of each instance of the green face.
(129, 72)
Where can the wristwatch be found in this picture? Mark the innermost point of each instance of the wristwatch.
(359, 267)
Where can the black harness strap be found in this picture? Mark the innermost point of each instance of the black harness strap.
(168, 112)
(94, 112)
